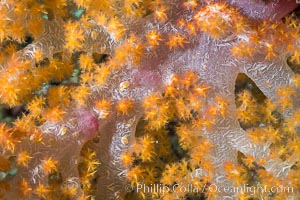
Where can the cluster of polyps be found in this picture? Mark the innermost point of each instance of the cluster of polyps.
(162, 38)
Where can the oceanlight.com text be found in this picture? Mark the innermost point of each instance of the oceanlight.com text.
(212, 188)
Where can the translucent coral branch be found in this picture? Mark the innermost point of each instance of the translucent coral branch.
(212, 60)
(62, 142)
(260, 10)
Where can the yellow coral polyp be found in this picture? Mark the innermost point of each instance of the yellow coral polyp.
(49, 165)
(148, 149)
(125, 106)
(24, 188)
(176, 41)
(23, 158)
(74, 36)
(153, 38)
(216, 19)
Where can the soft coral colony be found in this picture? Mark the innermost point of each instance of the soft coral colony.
(124, 93)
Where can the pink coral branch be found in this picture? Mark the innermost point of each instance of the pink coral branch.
(260, 10)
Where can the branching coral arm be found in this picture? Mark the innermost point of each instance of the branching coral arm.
(52, 41)
(259, 10)
(268, 76)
